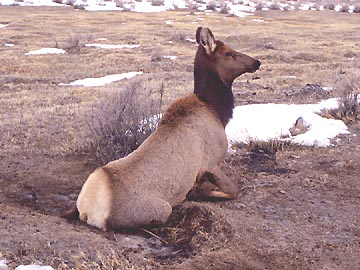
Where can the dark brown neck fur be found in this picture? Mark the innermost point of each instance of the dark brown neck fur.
(211, 89)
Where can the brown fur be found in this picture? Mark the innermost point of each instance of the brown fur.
(190, 141)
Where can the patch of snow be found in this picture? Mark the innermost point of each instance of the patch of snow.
(3, 265)
(265, 122)
(171, 57)
(33, 267)
(258, 20)
(101, 39)
(175, 4)
(241, 10)
(191, 40)
(111, 46)
(327, 88)
(3, 25)
(89, 82)
(9, 45)
(92, 5)
(305, 7)
(46, 51)
(145, 7)
(169, 22)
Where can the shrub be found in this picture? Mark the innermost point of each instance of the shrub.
(224, 8)
(260, 6)
(123, 120)
(178, 37)
(349, 91)
(124, 4)
(75, 42)
(357, 8)
(286, 8)
(211, 5)
(70, 2)
(79, 6)
(317, 7)
(344, 8)
(330, 6)
(157, 2)
(274, 6)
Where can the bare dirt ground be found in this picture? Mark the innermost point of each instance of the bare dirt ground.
(299, 207)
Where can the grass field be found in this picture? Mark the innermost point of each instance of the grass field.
(299, 207)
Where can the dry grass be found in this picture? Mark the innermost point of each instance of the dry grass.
(348, 89)
(189, 228)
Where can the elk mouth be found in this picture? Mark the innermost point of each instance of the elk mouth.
(256, 67)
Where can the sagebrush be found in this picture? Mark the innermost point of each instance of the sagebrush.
(122, 120)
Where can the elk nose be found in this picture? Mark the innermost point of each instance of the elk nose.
(258, 64)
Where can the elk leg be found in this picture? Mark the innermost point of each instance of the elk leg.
(199, 194)
(141, 212)
(222, 181)
(228, 189)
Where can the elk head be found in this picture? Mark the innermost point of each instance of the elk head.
(220, 59)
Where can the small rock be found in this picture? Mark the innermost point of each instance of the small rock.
(300, 127)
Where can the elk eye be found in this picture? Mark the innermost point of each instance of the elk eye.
(229, 54)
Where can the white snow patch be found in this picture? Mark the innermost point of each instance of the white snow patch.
(241, 10)
(9, 45)
(46, 51)
(289, 77)
(265, 122)
(3, 265)
(3, 25)
(33, 267)
(146, 7)
(89, 82)
(191, 40)
(113, 46)
(95, 5)
(171, 57)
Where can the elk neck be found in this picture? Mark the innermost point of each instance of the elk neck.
(209, 88)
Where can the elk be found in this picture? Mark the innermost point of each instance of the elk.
(187, 148)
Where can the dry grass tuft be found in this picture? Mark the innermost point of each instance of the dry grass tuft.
(121, 121)
(178, 37)
(274, 6)
(349, 92)
(190, 228)
(110, 260)
(75, 42)
(356, 8)
(272, 145)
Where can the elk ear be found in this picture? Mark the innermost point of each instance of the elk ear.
(205, 38)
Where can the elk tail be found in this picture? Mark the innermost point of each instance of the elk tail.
(71, 214)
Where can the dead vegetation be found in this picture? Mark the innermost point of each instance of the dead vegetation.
(121, 120)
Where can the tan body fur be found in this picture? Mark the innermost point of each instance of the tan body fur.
(141, 189)
(190, 141)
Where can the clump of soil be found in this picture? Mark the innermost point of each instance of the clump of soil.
(189, 228)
